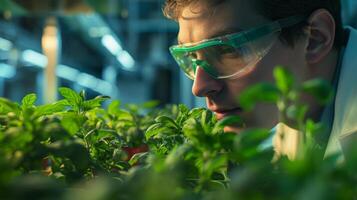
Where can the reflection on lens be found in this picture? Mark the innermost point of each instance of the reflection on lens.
(226, 61)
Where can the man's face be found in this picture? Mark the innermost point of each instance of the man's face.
(199, 22)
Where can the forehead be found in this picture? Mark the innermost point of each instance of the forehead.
(199, 21)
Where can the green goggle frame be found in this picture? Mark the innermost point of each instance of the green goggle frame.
(234, 40)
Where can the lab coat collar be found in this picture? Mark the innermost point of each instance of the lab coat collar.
(345, 118)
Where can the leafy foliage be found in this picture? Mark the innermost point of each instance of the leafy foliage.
(167, 153)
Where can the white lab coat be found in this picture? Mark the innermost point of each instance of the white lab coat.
(345, 119)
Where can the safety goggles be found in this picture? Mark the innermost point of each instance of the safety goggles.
(232, 55)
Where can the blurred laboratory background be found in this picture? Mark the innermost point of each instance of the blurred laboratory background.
(117, 48)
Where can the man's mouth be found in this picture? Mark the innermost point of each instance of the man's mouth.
(222, 113)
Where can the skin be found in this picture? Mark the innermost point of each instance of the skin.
(311, 56)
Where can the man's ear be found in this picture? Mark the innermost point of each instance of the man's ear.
(321, 35)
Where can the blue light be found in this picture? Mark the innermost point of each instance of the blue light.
(111, 44)
(126, 60)
(34, 58)
(87, 80)
(104, 87)
(5, 45)
(7, 71)
(84, 79)
(67, 72)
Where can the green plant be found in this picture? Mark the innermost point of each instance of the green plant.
(76, 149)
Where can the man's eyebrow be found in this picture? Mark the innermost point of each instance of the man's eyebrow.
(222, 32)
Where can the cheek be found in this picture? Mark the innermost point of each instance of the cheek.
(266, 115)
(280, 54)
(263, 115)
(235, 86)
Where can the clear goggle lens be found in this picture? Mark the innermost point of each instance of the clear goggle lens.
(223, 60)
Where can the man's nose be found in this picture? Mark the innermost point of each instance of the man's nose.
(204, 85)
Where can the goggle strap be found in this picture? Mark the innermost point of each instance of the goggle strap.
(291, 21)
(271, 28)
(262, 31)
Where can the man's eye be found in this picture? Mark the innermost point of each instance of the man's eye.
(227, 51)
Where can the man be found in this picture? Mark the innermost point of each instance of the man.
(227, 45)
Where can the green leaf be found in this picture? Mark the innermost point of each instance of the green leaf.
(297, 112)
(133, 108)
(194, 132)
(177, 154)
(29, 100)
(72, 122)
(249, 144)
(261, 92)
(206, 117)
(94, 103)
(82, 93)
(196, 112)
(113, 107)
(167, 121)
(72, 97)
(151, 104)
(7, 106)
(230, 120)
(183, 109)
(153, 130)
(104, 133)
(124, 115)
(183, 114)
(312, 128)
(137, 158)
(49, 109)
(226, 140)
(284, 79)
(215, 164)
(70, 125)
(320, 89)
(159, 129)
(252, 137)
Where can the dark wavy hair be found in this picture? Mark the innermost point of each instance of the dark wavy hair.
(275, 9)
